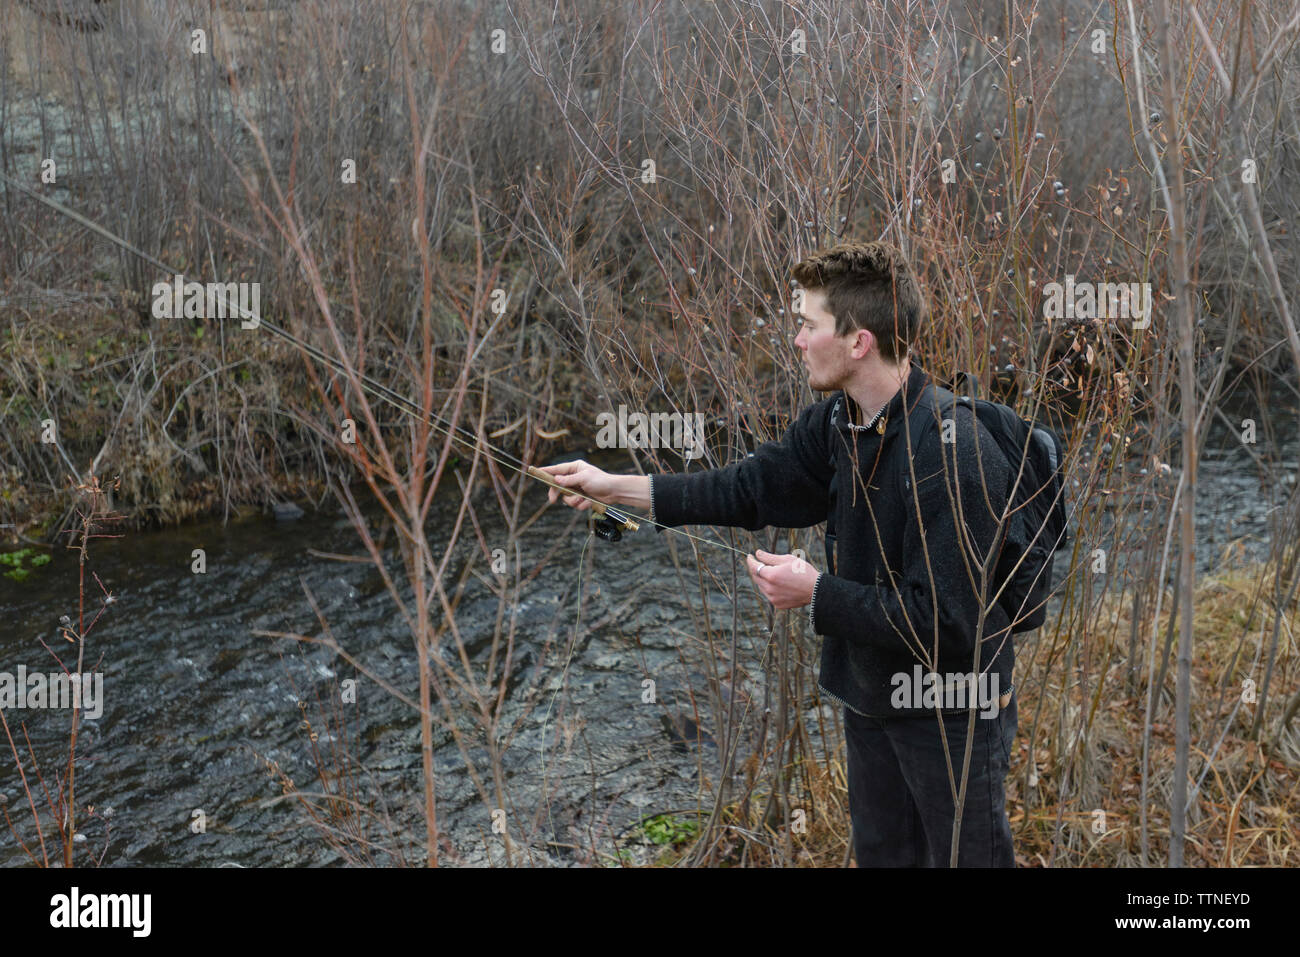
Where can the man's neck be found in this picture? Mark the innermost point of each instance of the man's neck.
(877, 387)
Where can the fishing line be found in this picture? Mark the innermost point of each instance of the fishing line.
(378, 389)
(564, 674)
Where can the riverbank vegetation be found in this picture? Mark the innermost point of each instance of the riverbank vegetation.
(518, 218)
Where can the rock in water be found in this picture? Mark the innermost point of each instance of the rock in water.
(286, 511)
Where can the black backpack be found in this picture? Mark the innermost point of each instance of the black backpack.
(1036, 528)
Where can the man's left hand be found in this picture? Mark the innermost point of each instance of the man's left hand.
(785, 580)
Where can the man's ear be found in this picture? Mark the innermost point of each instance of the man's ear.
(863, 341)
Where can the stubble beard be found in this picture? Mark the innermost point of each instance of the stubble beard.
(822, 383)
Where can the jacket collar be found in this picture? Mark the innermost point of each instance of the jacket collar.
(891, 420)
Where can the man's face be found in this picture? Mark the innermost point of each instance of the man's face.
(829, 357)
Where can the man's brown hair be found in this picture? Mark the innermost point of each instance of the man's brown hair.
(868, 286)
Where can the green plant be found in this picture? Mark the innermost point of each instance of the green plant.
(668, 829)
(16, 560)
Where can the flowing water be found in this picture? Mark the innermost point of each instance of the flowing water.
(195, 704)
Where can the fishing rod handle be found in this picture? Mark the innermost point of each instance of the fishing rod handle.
(598, 508)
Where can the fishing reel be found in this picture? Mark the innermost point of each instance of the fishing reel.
(610, 525)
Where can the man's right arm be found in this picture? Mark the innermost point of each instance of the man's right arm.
(782, 483)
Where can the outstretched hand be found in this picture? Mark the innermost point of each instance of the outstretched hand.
(785, 580)
(581, 477)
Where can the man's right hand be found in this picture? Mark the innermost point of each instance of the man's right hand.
(610, 489)
(581, 477)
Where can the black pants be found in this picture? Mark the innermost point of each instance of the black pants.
(900, 799)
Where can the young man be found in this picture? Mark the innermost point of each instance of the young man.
(910, 609)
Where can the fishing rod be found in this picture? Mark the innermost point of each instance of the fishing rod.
(612, 522)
